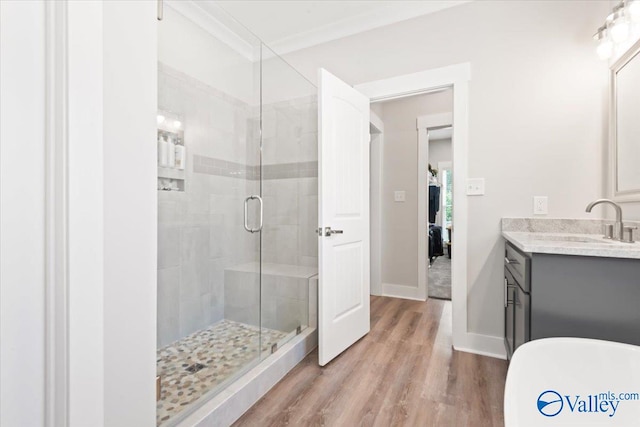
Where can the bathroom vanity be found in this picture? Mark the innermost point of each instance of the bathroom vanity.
(562, 279)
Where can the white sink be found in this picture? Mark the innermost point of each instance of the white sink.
(573, 382)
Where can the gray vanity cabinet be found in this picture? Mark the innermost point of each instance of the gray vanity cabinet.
(573, 296)
(588, 297)
(517, 298)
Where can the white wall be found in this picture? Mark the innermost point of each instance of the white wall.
(537, 111)
(130, 212)
(630, 211)
(22, 206)
(400, 171)
(440, 151)
(377, 108)
(375, 199)
(111, 63)
(85, 59)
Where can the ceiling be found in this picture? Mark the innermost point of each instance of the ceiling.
(286, 26)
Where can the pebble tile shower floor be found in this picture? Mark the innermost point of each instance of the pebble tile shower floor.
(196, 364)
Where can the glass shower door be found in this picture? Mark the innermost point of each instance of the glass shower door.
(209, 284)
(290, 192)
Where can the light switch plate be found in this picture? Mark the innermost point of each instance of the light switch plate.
(399, 196)
(475, 186)
(540, 205)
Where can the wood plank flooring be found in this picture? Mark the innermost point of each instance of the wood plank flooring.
(403, 373)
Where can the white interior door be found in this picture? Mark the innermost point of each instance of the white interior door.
(343, 296)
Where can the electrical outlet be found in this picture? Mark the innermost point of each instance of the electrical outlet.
(475, 186)
(540, 205)
(399, 196)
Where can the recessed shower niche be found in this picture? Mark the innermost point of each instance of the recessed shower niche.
(172, 153)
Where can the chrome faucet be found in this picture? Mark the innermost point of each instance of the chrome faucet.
(619, 224)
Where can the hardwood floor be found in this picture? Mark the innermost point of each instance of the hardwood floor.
(403, 373)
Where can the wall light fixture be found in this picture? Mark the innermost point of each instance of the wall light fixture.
(621, 28)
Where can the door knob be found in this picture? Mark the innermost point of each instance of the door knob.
(328, 231)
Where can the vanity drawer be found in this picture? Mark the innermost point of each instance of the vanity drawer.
(518, 265)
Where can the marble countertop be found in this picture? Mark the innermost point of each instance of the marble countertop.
(565, 237)
(571, 244)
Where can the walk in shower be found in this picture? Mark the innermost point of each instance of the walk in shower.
(237, 204)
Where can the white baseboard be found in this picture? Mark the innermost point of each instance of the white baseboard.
(402, 291)
(484, 345)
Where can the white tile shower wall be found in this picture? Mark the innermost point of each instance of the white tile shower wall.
(201, 231)
(242, 297)
(291, 218)
(290, 186)
(284, 295)
(285, 302)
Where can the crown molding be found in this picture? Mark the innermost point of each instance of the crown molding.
(360, 23)
(206, 20)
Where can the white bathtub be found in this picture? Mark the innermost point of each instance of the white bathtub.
(573, 382)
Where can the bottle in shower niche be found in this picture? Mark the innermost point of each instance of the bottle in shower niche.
(163, 150)
(171, 158)
(180, 154)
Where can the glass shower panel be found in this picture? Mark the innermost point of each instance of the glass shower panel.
(290, 193)
(208, 167)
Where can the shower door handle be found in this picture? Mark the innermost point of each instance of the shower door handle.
(261, 212)
(246, 214)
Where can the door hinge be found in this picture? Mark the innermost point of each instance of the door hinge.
(160, 10)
